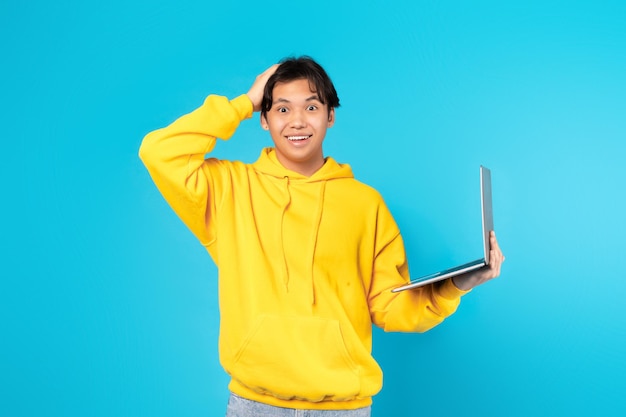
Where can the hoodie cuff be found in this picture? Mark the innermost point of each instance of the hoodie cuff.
(450, 291)
(243, 106)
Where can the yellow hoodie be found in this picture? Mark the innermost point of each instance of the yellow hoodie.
(306, 264)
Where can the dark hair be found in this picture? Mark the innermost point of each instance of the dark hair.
(304, 67)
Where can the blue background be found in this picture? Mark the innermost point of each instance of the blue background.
(108, 303)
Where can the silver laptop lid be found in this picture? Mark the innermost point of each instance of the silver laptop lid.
(486, 208)
(487, 227)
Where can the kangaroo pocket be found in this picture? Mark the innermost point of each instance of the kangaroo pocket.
(301, 358)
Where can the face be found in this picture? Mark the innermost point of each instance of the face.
(297, 123)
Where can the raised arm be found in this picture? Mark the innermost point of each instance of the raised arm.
(175, 155)
(175, 158)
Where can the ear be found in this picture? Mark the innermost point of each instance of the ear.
(264, 124)
(331, 117)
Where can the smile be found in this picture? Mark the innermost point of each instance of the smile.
(298, 138)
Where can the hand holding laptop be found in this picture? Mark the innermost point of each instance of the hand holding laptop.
(474, 278)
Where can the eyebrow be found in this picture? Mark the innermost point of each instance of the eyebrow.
(314, 97)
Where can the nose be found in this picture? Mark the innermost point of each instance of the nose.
(298, 119)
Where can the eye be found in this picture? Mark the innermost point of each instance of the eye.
(281, 110)
(312, 107)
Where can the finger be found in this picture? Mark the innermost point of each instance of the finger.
(498, 266)
(496, 262)
(256, 91)
(268, 73)
(493, 241)
(495, 246)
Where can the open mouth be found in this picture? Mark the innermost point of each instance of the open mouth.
(298, 138)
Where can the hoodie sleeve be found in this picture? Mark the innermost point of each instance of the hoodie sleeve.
(175, 159)
(415, 310)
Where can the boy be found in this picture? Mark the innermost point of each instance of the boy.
(307, 255)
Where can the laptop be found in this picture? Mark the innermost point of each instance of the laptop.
(487, 215)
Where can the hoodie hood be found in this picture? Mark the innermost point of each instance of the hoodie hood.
(268, 164)
(299, 221)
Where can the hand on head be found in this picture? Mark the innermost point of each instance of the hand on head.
(256, 91)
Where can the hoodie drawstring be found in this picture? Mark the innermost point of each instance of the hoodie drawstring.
(281, 231)
(316, 228)
(312, 246)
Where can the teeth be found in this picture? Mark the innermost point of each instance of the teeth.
(294, 138)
